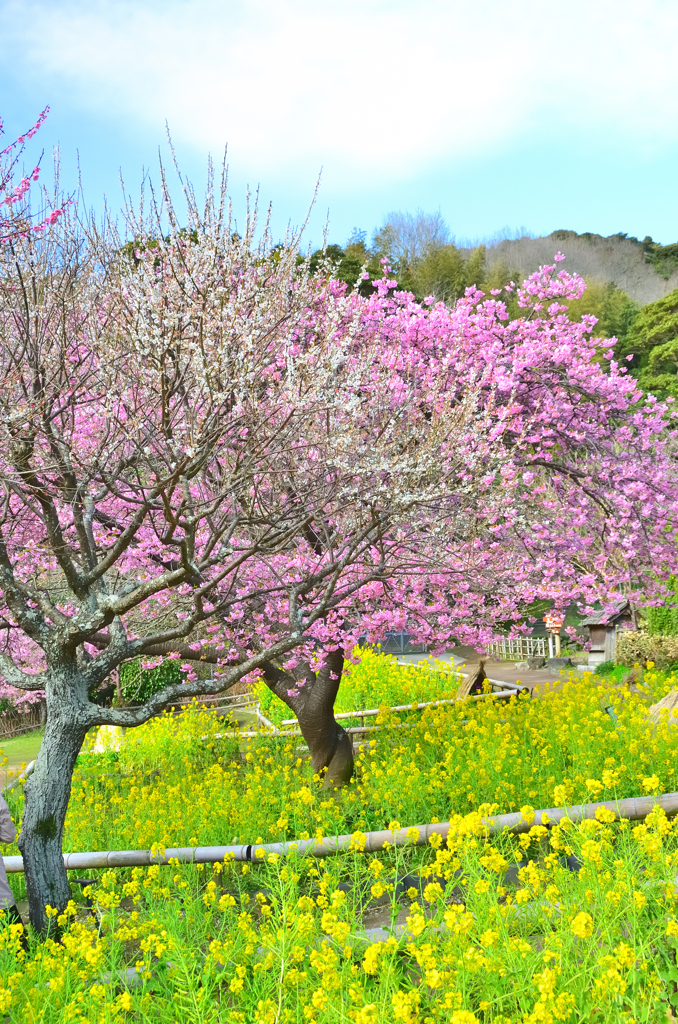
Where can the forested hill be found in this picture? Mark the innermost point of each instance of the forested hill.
(645, 270)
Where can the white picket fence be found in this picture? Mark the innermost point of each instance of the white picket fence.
(520, 648)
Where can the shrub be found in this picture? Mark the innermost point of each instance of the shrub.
(663, 619)
(641, 646)
(138, 684)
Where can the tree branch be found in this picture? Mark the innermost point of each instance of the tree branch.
(130, 717)
(22, 680)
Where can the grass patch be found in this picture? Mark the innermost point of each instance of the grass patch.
(611, 672)
(18, 749)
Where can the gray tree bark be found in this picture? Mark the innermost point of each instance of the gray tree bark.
(47, 793)
(313, 703)
(70, 714)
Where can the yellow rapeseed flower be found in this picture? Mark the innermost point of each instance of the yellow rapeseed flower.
(582, 925)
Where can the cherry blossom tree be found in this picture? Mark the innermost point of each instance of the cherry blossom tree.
(579, 506)
(208, 455)
(211, 455)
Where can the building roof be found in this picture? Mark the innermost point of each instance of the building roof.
(602, 618)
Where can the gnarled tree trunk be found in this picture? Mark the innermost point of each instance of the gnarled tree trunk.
(47, 793)
(312, 701)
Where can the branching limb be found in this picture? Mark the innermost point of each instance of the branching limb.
(131, 717)
(22, 680)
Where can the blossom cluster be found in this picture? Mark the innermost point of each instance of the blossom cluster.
(14, 195)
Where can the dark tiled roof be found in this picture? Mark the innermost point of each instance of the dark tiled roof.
(607, 618)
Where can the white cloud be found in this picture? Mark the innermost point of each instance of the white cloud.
(365, 88)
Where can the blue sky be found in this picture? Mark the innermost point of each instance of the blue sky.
(498, 113)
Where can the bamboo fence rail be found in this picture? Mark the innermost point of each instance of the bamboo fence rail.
(632, 808)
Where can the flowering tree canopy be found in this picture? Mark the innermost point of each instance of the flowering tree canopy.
(210, 454)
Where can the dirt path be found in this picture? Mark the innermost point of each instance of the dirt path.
(464, 659)
(539, 678)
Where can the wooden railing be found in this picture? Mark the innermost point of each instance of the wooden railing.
(520, 647)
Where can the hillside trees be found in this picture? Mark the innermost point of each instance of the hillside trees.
(418, 252)
(613, 309)
(444, 274)
(651, 346)
(423, 258)
(406, 238)
(349, 265)
(626, 262)
(664, 258)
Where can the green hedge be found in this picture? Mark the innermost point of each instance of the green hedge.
(139, 684)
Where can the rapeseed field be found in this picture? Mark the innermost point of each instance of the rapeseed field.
(578, 922)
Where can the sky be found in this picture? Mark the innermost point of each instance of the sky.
(501, 115)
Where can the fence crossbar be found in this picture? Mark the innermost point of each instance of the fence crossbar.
(631, 808)
(511, 690)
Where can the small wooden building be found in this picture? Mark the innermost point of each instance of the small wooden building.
(603, 628)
